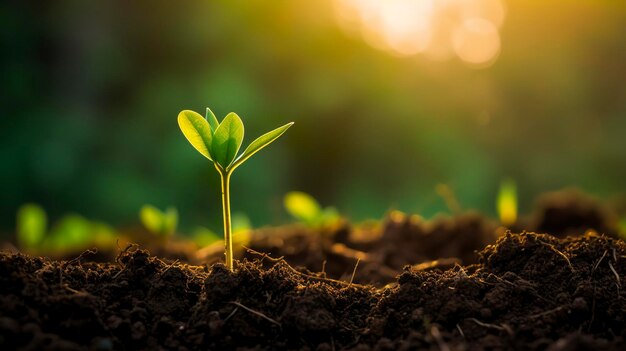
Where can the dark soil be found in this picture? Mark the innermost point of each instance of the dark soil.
(408, 240)
(382, 252)
(526, 292)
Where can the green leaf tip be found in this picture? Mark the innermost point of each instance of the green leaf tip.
(197, 131)
(227, 140)
(260, 143)
(211, 119)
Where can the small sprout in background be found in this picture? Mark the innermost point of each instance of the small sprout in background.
(507, 202)
(242, 231)
(211, 243)
(220, 143)
(159, 223)
(74, 233)
(69, 234)
(241, 223)
(32, 223)
(103, 235)
(204, 237)
(304, 208)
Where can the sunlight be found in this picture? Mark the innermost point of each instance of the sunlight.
(440, 29)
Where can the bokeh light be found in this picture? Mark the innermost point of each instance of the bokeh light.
(468, 29)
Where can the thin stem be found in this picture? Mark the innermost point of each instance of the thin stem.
(228, 235)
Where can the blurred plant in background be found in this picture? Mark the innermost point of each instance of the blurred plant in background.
(304, 208)
(161, 224)
(70, 234)
(507, 202)
(88, 91)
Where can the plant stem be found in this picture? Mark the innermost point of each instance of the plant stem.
(228, 235)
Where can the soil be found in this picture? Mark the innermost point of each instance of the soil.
(382, 251)
(527, 292)
(452, 283)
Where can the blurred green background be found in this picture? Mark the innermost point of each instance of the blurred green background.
(90, 92)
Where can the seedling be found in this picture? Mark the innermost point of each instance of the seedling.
(220, 143)
(72, 232)
(307, 210)
(32, 223)
(162, 224)
(507, 202)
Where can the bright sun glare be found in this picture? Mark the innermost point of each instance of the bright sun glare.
(438, 29)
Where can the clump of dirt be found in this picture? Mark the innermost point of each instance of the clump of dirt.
(571, 212)
(527, 291)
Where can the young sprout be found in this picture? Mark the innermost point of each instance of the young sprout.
(220, 143)
(159, 223)
(307, 210)
(507, 202)
(70, 233)
(32, 223)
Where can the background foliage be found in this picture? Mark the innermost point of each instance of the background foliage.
(91, 90)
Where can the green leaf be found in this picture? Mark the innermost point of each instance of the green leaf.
(197, 131)
(31, 225)
(260, 143)
(227, 140)
(152, 218)
(302, 206)
(210, 117)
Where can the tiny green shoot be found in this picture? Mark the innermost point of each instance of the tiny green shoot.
(219, 142)
(70, 233)
(160, 223)
(507, 202)
(307, 210)
(32, 223)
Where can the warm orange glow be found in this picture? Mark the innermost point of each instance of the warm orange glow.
(439, 28)
(477, 41)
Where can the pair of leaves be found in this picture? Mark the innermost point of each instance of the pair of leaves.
(306, 209)
(220, 142)
(158, 222)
